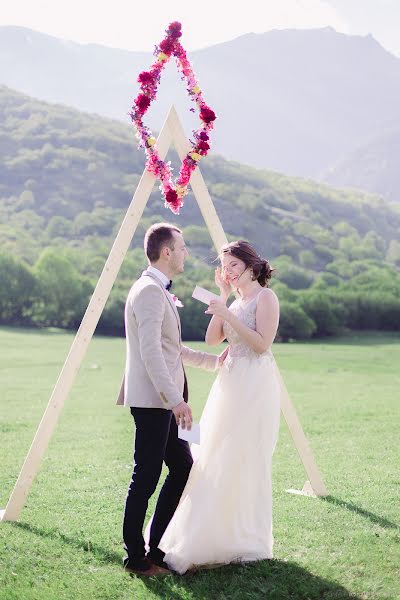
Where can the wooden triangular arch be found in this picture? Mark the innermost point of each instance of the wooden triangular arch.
(172, 131)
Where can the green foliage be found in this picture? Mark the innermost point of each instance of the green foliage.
(393, 253)
(62, 295)
(296, 278)
(17, 290)
(327, 316)
(66, 180)
(294, 323)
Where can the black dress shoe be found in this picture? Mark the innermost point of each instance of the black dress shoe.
(161, 563)
(144, 567)
(140, 565)
(157, 559)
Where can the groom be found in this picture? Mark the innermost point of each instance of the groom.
(155, 389)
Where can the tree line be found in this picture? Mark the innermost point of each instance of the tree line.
(52, 293)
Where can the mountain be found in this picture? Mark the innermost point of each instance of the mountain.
(374, 166)
(294, 101)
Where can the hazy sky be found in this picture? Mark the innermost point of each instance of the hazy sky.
(138, 25)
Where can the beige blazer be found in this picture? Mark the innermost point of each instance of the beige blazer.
(154, 375)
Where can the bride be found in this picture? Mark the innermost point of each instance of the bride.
(225, 512)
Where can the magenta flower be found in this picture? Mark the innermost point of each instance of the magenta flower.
(206, 114)
(149, 80)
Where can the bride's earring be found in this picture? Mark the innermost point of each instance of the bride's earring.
(252, 275)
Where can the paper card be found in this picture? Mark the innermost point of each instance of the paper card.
(192, 436)
(204, 295)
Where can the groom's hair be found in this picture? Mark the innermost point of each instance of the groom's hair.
(157, 237)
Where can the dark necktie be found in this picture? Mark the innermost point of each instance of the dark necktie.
(169, 285)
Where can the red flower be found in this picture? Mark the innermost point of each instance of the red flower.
(203, 136)
(145, 78)
(167, 45)
(174, 30)
(207, 115)
(142, 102)
(203, 147)
(171, 197)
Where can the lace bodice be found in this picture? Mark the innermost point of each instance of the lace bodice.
(247, 314)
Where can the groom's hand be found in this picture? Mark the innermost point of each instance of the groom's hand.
(222, 356)
(183, 415)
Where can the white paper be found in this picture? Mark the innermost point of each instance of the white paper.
(204, 295)
(192, 436)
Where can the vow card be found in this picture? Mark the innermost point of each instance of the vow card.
(204, 295)
(192, 436)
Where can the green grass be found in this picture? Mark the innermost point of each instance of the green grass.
(67, 543)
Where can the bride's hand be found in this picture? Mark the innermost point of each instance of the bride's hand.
(219, 309)
(224, 286)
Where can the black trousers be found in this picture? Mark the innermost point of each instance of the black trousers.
(156, 441)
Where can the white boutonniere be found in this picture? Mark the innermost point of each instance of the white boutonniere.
(176, 300)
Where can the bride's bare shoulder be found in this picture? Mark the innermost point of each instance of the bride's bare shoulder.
(267, 298)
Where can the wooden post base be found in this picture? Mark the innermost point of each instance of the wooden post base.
(306, 491)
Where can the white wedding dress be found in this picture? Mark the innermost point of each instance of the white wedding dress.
(225, 512)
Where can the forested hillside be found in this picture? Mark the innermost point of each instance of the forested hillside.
(66, 179)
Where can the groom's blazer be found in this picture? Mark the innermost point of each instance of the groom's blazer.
(154, 375)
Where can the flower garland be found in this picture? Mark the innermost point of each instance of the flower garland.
(173, 193)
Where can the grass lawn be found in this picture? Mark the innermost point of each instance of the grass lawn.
(68, 545)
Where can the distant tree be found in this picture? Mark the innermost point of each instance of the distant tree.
(296, 278)
(282, 290)
(62, 294)
(112, 319)
(324, 280)
(17, 290)
(327, 316)
(393, 253)
(342, 228)
(323, 253)
(59, 227)
(294, 323)
(308, 259)
(197, 236)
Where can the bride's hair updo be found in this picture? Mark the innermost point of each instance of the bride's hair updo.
(262, 271)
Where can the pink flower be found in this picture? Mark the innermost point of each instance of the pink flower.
(167, 46)
(142, 102)
(171, 196)
(203, 147)
(145, 78)
(177, 302)
(206, 114)
(174, 30)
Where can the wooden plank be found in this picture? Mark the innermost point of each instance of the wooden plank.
(301, 443)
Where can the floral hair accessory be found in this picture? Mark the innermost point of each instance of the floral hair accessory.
(173, 192)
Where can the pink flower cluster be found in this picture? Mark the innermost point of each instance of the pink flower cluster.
(173, 193)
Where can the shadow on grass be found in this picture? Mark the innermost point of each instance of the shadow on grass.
(99, 552)
(272, 579)
(361, 511)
